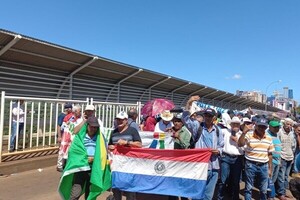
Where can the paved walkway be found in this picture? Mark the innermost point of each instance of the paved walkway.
(33, 185)
(42, 184)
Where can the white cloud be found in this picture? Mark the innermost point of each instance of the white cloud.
(235, 76)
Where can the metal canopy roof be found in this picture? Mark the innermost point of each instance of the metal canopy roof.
(31, 67)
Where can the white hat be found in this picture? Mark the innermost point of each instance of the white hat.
(225, 120)
(246, 119)
(235, 120)
(166, 115)
(89, 107)
(122, 115)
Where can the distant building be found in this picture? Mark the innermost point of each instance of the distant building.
(290, 95)
(271, 100)
(252, 95)
(286, 92)
(283, 101)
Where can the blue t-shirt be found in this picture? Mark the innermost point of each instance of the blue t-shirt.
(60, 119)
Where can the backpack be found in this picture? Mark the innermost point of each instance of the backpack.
(199, 133)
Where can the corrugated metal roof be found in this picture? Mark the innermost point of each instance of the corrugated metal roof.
(32, 67)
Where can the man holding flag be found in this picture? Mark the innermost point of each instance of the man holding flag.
(87, 169)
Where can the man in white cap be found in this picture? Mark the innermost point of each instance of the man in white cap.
(231, 160)
(124, 135)
(89, 111)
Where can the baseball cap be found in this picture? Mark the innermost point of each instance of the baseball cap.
(89, 107)
(178, 116)
(274, 123)
(262, 122)
(68, 105)
(122, 115)
(93, 121)
(210, 111)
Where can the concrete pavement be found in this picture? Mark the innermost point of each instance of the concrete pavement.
(42, 183)
(34, 184)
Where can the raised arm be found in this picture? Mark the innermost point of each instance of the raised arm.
(242, 140)
(190, 101)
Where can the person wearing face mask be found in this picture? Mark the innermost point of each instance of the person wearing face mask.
(286, 136)
(124, 135)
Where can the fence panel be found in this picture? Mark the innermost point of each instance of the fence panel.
(39, 127)
(107, 111)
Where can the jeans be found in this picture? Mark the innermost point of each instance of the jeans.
(297, 154)
(283, 175)
(230, 166)
(275, 171)
(14, 133)
(212, 178)
(253, 169)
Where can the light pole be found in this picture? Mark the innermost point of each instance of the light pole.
(266, 105)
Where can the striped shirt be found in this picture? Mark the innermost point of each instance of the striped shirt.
(257, 149)
(277, 148)
(90, 144)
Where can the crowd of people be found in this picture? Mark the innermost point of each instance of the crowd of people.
(262, 151)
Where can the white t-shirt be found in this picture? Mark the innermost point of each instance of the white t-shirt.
(16, 112)
(230, 146)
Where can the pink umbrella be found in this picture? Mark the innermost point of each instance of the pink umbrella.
(156, 106)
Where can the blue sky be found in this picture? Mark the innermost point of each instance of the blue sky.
(229, 45)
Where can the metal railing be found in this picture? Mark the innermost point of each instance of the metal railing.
(107, 111)
(40, 121)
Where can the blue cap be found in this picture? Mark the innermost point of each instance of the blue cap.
(210, 111)
(68, 105)
(262, 122)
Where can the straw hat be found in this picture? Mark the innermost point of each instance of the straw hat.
(166, 115)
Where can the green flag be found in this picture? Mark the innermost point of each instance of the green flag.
(78, 161)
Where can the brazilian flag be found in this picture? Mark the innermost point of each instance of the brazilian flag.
(78, 161)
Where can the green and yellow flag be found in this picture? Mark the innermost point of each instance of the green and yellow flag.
(78, 161)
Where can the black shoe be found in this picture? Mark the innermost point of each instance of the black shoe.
(59, 169)
(11, 150)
